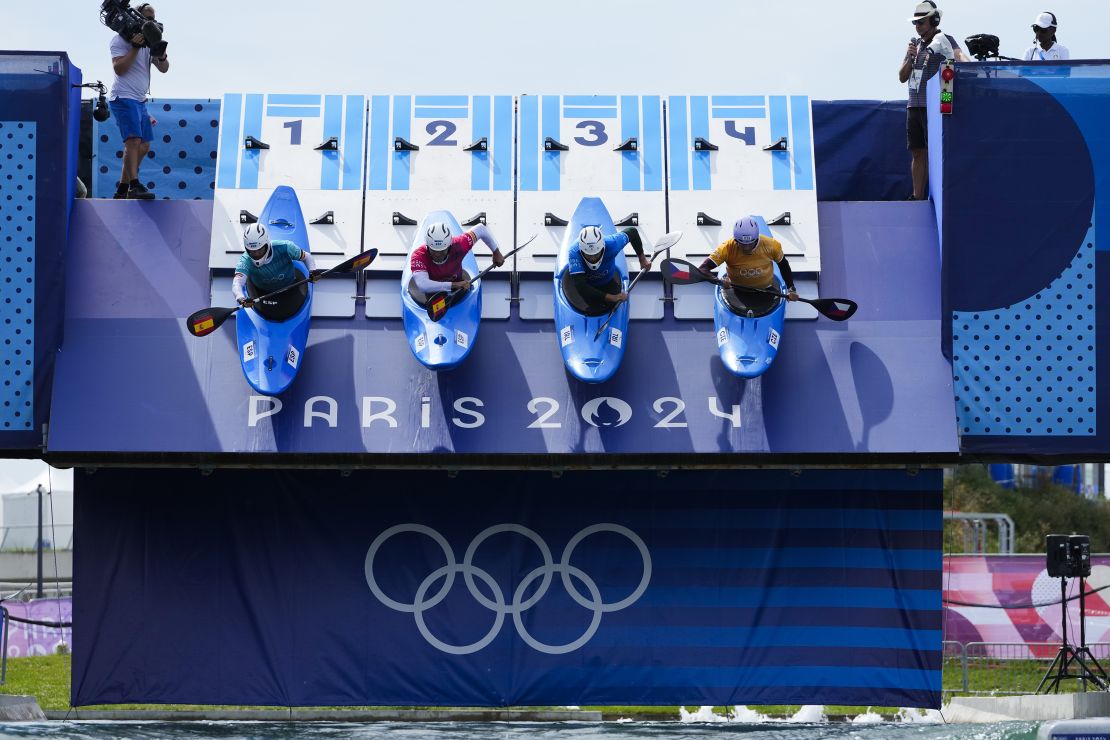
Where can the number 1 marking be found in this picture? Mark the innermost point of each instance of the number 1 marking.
(294, 131)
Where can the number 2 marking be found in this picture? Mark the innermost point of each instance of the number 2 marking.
(667, 422)
(552, 409)
(443, 138)
(594, 128)
(294, 131)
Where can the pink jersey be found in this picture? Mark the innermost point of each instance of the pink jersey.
(451, 269)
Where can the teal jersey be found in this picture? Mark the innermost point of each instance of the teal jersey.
(279, 272)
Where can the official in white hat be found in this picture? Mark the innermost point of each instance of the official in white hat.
(1047, 48)
(927, 51)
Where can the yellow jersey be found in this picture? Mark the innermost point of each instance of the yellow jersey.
(752, 270)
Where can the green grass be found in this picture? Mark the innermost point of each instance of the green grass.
(48, 679)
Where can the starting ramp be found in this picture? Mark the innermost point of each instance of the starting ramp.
(872, 389)
(312, 143)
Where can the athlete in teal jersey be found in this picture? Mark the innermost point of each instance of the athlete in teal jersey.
(268, 266)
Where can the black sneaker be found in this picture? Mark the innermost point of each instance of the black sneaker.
(138, 191)
(121, 191)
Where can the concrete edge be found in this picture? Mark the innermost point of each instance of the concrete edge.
(16, 708)
(330, 715)
(1037, 707)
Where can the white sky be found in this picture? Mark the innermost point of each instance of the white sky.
(828, 50)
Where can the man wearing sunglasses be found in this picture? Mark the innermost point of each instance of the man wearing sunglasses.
(924, 56)
(131, 63)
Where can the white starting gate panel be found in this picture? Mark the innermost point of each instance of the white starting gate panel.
(438, 152)
(731, 155)
(572, 146)
(314, 144)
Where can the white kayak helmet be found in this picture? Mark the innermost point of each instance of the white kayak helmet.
(591, 243)
(256, 242)
(746, 233)
(438, 240)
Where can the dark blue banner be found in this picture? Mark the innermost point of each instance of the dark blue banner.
(1023, 261)
(38, 159)
(859, 149)
(491, 589)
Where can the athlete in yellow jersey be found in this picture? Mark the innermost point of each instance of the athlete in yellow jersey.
(747, 257)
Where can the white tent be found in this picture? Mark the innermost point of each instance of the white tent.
(23, 476)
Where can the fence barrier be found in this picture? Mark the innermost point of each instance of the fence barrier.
(1006, 668)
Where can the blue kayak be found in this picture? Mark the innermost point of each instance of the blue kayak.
(749, 344)
(588, 359)
(443, 344)
(271, 352)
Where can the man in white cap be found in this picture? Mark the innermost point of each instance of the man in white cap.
(1047, 49)
(924, 56)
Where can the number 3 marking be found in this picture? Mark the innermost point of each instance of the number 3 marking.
(445, 129)
(596, 129)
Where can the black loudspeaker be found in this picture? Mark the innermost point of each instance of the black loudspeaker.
(1068, 556)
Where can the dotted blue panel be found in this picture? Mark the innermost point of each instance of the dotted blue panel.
(181, 163)
(1029, 369)
(17, 273)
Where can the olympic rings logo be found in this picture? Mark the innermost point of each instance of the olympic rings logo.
(422, 601)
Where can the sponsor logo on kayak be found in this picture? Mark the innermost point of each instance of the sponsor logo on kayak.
(566, 336)
(248, 351)
(722, 336)
(773, 339)
(469, 412)
(421, 342)
(616, 337)
(292, 357)
(439, 582)
(462, 339)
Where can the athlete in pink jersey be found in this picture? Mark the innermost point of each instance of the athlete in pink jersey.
(437, 265)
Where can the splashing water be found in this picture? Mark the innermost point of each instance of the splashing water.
(867, 718)
(704, 714)
(810, 714)
(741, 713)
(908, 715)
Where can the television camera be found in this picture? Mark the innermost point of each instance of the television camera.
(119, 16)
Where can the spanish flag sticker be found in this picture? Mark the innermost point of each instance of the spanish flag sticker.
(203, 325)
(440, 305)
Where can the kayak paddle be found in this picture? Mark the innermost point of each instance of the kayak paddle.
(438, 303)
(665, 242)
(207, 320)
(680, 272)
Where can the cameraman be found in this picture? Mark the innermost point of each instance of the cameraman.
(1046, 48)
(923, 58)
(131, 62)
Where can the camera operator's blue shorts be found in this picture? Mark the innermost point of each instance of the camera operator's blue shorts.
(133, 119)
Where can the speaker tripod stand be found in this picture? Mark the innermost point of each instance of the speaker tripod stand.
(1087, 668)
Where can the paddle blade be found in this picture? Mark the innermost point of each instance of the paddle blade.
(437, 306)
(358, 262)
(207, 320)
(837, 309)
(680, 272)
(667, 241)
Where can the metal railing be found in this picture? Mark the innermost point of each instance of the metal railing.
(24, 537)
(1006, 668)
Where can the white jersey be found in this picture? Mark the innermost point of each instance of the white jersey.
(1055, 53)
(135, 82)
